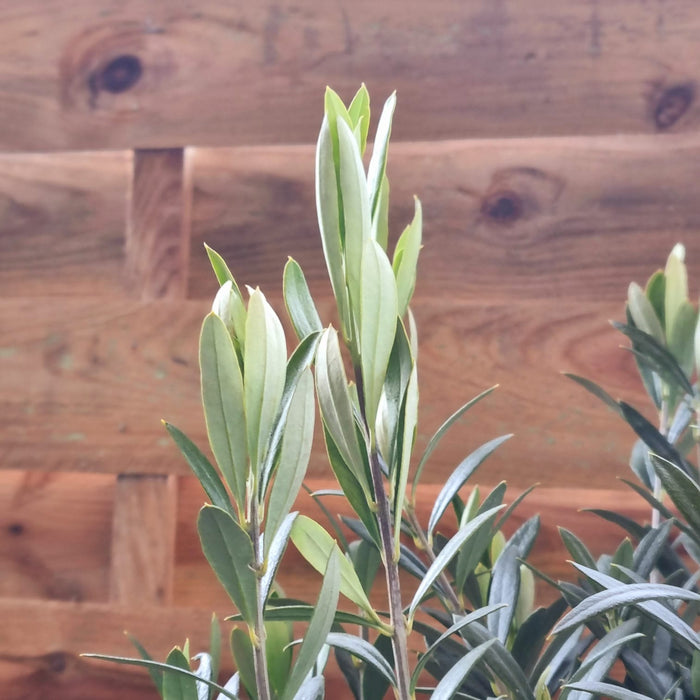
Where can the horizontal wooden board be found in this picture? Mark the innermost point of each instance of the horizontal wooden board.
(517, 218)
(62, 221)
(575, 218)
(142, 74)
(84, 384)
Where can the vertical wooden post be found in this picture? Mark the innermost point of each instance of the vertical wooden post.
(157, 256)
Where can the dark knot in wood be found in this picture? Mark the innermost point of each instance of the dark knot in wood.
(56, 662)
(119, 75)
(672, 104)
(503, 207)
(15, 529)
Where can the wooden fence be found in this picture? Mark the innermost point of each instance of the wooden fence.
(555, 148)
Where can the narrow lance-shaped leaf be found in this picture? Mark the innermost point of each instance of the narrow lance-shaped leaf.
(164, 667)
(470, 530)
(363, 650)
(683, 491)
(453, 679)
(294, 455)
(275, 546)
(405, 263)
(643, 313)
(378, 313)
(316, 545)
(380, 218)
(328, 207)
(265, 370)
(335, 404)
(681, 337)
(439, 434)
(359, 115)
(377, 164)
(400, 478)
(229, 551)
(676, 277)
(202, 469)
(319, 627)
(297, 298)
(222, 398)
(459, 477)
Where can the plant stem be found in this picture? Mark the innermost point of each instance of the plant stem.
(262, 680)
(399, 639)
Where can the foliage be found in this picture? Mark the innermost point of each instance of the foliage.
(648, 586)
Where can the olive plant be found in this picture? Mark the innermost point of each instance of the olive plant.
(645, 593)
(473, 607)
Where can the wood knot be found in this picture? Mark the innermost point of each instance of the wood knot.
(119, 75)
(503, 207)
(56, 662)
(15, 529)
(672, 104)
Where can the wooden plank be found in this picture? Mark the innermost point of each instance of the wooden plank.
(54, 536)
(84, 384)
(62, 219)
(572, 218)
(162, 74)
(143, 539)
(158, 233)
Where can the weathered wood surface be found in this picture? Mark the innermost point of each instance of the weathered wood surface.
(571, 218)
(164, 74)
(40, 639)
(85, 384)
(55, 538)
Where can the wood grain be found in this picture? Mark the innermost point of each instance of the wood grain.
(571, 218)
(85, 384)
(158, 225)
(62, 219)
(143, 540)
(162, 74)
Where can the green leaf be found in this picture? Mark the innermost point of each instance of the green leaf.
(319, 627)
(222, 397)
(408, 426)
(405, 263)
(439, 434)
(359, 115)
(356, 212)
(363, 650)
(377, 164)
(163, 667)
(336, 406)
(656, 357)
(643, 595)
(607, 690)
(596, 390)
(294, 454)
(279, 653)
(676, 292)
(316, 545)
(460, 622)
(643, 313)
(229, 551)
(380, 219)
(156, 674)
(275, 547)
(453, 679)
(378, 314)
(265, 370)
(223, 274)
(463, 535)
(242, 649)
(298, 300)
(681, 337)
(683, 491)
(576, 548)
(459, 477)
(366, 561)
(215, 646)
(202, 469)
(329, 210)
(695, 673)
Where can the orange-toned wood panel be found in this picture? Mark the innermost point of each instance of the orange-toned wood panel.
(62, 221)
(85, 384)
(130, 73)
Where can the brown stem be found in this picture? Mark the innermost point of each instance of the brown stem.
(399, 639)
